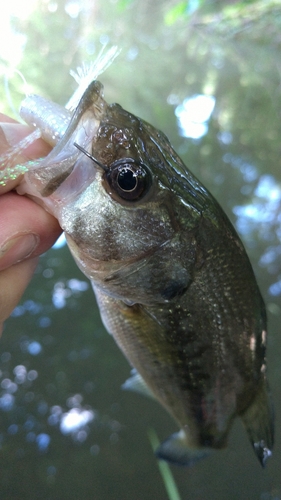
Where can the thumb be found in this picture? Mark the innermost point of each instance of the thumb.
(9, 294)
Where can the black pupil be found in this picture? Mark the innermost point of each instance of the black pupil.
(127, 179)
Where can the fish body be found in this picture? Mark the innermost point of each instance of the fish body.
(172, 279)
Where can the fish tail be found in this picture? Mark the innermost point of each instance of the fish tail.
(175, 450)
(258, 420)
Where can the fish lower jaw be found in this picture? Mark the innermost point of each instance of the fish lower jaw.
(95, 269)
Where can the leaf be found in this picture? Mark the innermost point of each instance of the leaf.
(179, 10)
(123, 4)
(165, 471)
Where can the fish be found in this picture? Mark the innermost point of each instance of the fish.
(172, 280)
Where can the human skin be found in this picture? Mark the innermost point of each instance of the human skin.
(26, 229)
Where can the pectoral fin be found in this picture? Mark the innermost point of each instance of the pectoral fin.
(258, 420)
(176, 451)
(137, 384)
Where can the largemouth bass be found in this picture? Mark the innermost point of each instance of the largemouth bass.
(172, 279)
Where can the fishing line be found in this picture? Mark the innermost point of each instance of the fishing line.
(86, 153)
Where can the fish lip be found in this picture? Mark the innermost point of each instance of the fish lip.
(47, 174)
(108, 270)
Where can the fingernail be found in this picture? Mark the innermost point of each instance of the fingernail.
(17, 249)
(13, 132)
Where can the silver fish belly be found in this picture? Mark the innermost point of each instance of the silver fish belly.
(173, 282)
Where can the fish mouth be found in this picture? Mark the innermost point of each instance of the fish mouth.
(47, 175)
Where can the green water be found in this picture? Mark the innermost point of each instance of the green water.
(67, 431)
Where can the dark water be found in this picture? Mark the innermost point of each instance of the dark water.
(66, 428)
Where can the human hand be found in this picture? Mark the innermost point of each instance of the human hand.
(26, 229)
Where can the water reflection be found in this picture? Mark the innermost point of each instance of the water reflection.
(43, 441)
(75, 422)
(10, 387)
(21, 374)
(74, 419)
(259, 219)
(263, 214)
(64, 290)
(7, 402)
(61, 241)
(34, 348)
(193, 115)
(29, 306)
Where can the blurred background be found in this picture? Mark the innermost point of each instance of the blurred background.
(208, 74)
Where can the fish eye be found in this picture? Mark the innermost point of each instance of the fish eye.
(129, 179)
